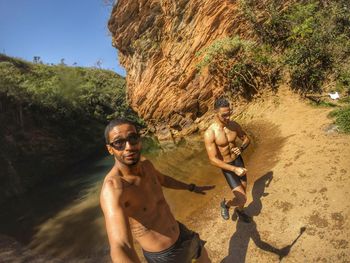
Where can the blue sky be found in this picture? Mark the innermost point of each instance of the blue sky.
(75, 30)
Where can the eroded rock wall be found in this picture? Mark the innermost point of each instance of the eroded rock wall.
(158, 43)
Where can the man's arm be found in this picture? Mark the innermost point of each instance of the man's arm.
(210, 146)
(117, 223)
(172, 183)
(243, 136)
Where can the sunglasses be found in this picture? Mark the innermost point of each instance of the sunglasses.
(225, 115)
(119, 144)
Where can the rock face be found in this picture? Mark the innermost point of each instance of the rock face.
(158, 43)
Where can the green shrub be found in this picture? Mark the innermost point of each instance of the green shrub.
(245, 66)
(342, 118)
(311, 37)
(222, 47)
(308, 55)
(343, 82)
(345, 99)
(272, 25)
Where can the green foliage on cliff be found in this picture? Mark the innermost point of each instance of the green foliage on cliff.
(226, 46)
(53, 116)
(309, 41)
(311, 37)
(246, 65)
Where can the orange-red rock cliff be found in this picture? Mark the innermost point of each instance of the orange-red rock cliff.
(157, 42)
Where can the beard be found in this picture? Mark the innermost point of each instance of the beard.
(130, 159)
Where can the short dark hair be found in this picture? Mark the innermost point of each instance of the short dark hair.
(116, 122)
(221, 103)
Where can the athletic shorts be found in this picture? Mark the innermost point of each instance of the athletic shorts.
(187, 247)
(233, 179)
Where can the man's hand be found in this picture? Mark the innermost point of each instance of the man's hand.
(237, 151)
(240, 171)
(202, 189)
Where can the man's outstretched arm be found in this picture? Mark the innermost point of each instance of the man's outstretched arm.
(117, 224)
(172, 183)
(210, 146)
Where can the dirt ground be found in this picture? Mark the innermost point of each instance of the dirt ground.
(298, 192)
(298, 189)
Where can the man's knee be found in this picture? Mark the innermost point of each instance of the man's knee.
(243, 200)
(240, 197)
(204, 257)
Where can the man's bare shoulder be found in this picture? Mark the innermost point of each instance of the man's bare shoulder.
(212, 126)
(113, 178)
(146, 163)
(112, 185)
(211, 129)
(233, 125)
(148, 167)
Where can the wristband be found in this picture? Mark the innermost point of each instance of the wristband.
(243, 147)
(191, 187)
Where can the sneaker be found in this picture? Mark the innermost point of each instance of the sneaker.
(243, 216)
(224, 210)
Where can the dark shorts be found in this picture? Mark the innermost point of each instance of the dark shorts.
(233, 179)
(187, 247)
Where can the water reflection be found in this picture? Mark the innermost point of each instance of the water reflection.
(188, 163)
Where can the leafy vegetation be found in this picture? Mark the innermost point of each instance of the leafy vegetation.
(65, 92)
(342, 118)
(53, 116)
(311, 37)
(313, 40)
(308, 41)
(246, 66)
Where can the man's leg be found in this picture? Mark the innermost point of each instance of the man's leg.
(204, 258)
(239, 199)
(238, 190)
(244, 185)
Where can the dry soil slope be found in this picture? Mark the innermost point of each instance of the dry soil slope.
(300, 172)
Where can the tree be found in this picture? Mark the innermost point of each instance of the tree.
(36, 60)
(98, 63)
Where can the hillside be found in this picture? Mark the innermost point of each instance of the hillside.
(51, 117)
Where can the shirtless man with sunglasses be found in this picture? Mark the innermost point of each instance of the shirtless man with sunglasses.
(134, 206)
(223, 152)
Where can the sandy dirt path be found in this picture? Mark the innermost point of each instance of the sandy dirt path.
(298, 192)
(298, 189)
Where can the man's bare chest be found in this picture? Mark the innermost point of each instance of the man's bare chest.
(143, 198)
(224, 137)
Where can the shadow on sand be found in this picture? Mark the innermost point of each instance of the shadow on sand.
(244, 232)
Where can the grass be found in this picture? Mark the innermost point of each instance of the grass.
(324, 104)
(342, 118)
